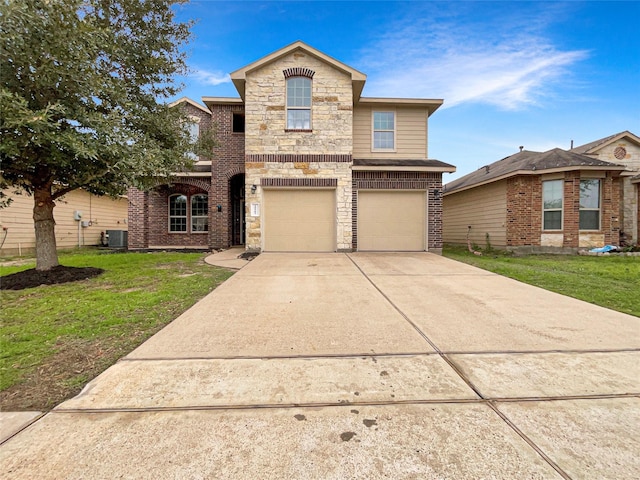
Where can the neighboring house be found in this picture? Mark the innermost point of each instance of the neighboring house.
(622, 148)
(82, 219)
(552, 201)
(305, 163)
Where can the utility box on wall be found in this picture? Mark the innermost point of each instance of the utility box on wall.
(118, 238)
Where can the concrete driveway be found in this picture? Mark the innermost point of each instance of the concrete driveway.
(341, 366)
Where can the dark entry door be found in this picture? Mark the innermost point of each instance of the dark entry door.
(237, 210)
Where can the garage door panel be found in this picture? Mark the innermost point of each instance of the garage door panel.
(391, 220)
(299, 220)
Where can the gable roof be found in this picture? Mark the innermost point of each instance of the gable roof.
(591, 147)
(358, 79)
(530, 163)
(190, 102)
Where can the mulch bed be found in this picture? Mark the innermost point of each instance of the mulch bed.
(34, 278)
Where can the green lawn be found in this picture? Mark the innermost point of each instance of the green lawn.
(610, 281)
(61, 336)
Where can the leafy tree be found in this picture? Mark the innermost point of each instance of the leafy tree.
(83, 85)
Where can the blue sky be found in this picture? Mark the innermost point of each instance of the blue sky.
(536, 74)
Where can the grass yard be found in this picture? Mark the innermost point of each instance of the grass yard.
(53, 339)
(609, 281)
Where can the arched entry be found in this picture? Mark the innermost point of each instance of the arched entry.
(236, 193)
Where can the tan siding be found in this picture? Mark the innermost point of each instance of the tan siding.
(103, 212)
(484, 208)
(411, 133)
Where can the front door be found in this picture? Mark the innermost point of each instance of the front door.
(237, 210)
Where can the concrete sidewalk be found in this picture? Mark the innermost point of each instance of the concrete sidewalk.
(335, 366)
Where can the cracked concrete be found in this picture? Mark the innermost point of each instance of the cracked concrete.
(336, 366)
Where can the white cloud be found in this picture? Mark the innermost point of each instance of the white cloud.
(205, 77)
(504, 65)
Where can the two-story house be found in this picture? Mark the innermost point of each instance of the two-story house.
(305, 163)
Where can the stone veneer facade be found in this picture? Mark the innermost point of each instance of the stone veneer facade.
(629, 192)
(323, 152)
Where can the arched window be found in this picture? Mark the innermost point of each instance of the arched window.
(299, 103)
(187, 210)
(178, 213)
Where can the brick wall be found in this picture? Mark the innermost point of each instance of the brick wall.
(524, 213)
(158, 201)
(138, 219)
(228, 161)
(148, 211)
(428, 181)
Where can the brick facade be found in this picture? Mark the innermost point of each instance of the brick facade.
(426, 181)
(228, 161)
(524, 213)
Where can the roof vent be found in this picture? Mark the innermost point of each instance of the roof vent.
(521, 147)
(486, 168)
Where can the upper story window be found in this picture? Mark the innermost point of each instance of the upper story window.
(590, 204)
(194, 134)
(237, 123)
(299, 103)
(384, 130)
(552, 199)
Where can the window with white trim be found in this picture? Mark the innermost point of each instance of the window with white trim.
(194, 134)
(552, 199)
(590, 204)
(189, 213)
(298, 103)
(200, 213)
(384, 130)
(178, 213)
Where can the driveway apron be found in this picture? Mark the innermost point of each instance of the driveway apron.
(336, 366)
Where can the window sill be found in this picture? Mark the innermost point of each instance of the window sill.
(300, 130)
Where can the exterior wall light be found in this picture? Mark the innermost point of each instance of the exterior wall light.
(254, 188)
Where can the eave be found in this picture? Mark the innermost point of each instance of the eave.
(358, 79)
(535, 172)
(193, 103)
(432, 104)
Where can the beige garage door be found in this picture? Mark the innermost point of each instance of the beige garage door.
(391, 220)
(299, 220)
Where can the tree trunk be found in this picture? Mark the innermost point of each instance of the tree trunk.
(46, 252)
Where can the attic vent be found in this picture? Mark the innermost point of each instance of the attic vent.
(298, 72)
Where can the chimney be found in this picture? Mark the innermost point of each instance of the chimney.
(521, 147)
